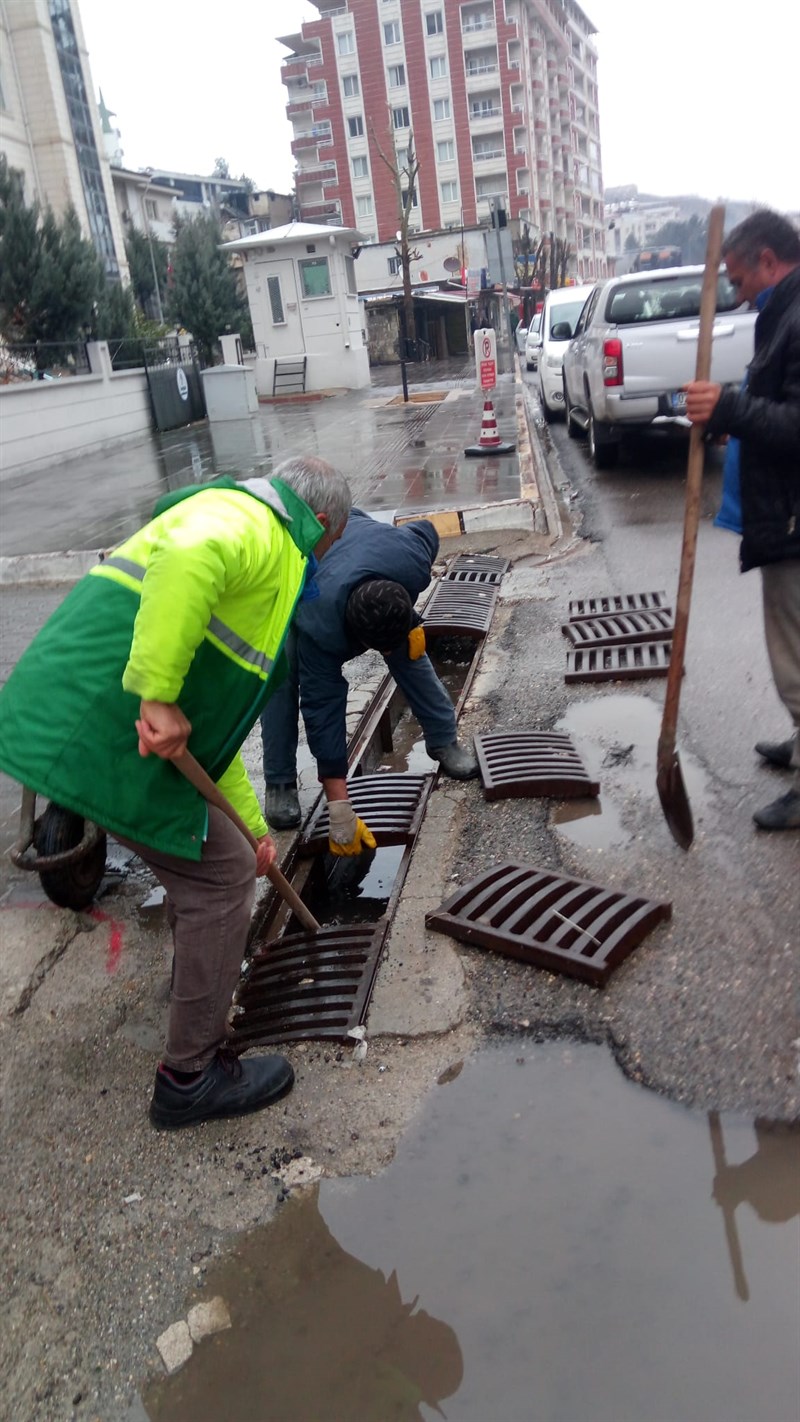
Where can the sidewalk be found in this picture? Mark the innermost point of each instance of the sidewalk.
(398, 457)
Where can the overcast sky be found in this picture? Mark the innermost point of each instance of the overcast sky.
(696, 96)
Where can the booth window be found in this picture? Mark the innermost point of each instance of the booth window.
(315, 277)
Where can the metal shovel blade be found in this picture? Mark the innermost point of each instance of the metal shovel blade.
(675, 801)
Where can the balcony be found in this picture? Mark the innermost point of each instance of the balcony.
(487, 155)
(304, 141)
(321, 209)
(478, 26)
(476, 116)
(300, 106)
(316, 171)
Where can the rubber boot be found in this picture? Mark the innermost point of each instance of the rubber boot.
(776, 752)
(456, 761)
(281, 806)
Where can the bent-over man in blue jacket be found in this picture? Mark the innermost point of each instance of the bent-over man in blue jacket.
(368, 584)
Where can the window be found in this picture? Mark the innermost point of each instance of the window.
(438, 66)
(355, 126)
(433, 23)
(360, 168)
(350, 274)
(449, 192)
(315, 278)
(391, 32)
(364, 206)
(345, 43)
(394, 265)
(441, 109)
(445, 151)
(151, 209)
(350, 86)
(276, 301)
(414, 199)
(397, 76)
(400, 117)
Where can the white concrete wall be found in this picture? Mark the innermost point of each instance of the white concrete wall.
(45, 421)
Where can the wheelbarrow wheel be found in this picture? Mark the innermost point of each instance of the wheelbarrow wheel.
(74, 885)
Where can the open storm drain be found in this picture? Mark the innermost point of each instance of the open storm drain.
(613, 603)
(563, 925)
(516, 764)
(631, 663)
(307, 985)
(392, 806)
(461, 608)
(620, 630)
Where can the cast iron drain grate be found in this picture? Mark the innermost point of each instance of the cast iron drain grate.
(616, 631)
(467, 566)
(563, 925)
(615, 603)
(307, 985)
(460, 608)
(392, 806)
(633, 663)
(516, 764)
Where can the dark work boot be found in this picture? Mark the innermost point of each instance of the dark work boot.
(281, 806)
(229, 1086)
(776, 752)
(456, 761)
(782, 814)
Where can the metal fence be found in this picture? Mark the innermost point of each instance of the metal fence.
(42, 360)
(132, 353)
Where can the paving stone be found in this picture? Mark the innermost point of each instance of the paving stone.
(175, 1345)
(211, 1316)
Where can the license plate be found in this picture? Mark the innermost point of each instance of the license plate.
(679, 401)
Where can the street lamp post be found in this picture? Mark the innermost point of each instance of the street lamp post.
(150, 245)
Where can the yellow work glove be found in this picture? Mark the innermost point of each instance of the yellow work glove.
(416, 643)
(348, 834)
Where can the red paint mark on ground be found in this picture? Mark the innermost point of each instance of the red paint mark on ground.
(114, 938)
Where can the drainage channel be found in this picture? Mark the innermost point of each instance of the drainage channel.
(297, 984)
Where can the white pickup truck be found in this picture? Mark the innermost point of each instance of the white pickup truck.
(635, 345)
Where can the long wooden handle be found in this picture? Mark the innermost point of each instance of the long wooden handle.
(694, 480)
(194, 772)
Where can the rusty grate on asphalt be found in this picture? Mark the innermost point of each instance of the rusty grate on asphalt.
(564, 925)
(391, 804)
(477, 568)
(632, 663)
(622, 629)
(613, 603)
(461, 608)
(518, 764)
(307, 985)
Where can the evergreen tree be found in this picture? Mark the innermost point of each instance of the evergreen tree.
(140, 263)
(19, 254)
(690, 236)
(202, 295)
(116, 313)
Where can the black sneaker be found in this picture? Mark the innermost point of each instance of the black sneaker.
(776, 752)
(281, 806)
(782, 814)
(227, 1087)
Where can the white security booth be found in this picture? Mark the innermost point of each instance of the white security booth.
(308, 323)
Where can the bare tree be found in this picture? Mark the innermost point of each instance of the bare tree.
(404, 170)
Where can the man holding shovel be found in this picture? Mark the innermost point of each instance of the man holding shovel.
(762, 255)
(174, 640)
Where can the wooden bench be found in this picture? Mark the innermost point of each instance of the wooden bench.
(289, 376)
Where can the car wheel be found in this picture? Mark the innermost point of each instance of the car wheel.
(574, 431)
(528, 365)
(603, 452)
(547, 413)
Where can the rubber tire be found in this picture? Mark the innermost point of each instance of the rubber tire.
(548, 415)
(75, 885)
(574, 431)
(528, 365)
(604, 454)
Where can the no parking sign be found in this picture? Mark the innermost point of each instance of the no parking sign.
(485, 342)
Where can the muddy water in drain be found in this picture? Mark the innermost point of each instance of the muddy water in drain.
(551, 1242)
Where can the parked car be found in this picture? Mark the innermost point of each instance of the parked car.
(519, 336)
(560, 313)
(533, 342)
(635, 346)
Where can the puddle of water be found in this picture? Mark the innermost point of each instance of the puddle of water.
(617, 738)
(550, 1242)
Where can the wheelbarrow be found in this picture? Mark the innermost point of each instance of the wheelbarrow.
(66, 851)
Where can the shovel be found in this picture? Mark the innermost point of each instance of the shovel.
(194, 772)
(669, 779)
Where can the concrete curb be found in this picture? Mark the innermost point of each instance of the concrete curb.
(21, 569)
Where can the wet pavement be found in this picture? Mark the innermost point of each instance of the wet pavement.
(551, 1242)
(396, 456)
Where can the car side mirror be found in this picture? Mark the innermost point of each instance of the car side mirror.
(561, 331)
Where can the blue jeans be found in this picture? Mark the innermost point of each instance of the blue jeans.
(428, 698)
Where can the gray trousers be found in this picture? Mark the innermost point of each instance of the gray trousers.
(781, 590)
(210, 902)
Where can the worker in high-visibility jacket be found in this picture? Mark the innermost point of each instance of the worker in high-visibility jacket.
(176, 640)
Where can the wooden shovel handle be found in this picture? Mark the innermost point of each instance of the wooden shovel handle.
(194, 772)
(694, 480)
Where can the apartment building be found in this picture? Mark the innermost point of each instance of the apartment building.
(501, 99)
(50, 128)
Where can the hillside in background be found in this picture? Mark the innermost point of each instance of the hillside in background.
(689, 205)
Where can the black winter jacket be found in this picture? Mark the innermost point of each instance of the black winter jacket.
(766, 418)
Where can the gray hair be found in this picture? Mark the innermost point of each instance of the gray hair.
(762, 229)
(319, 485)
